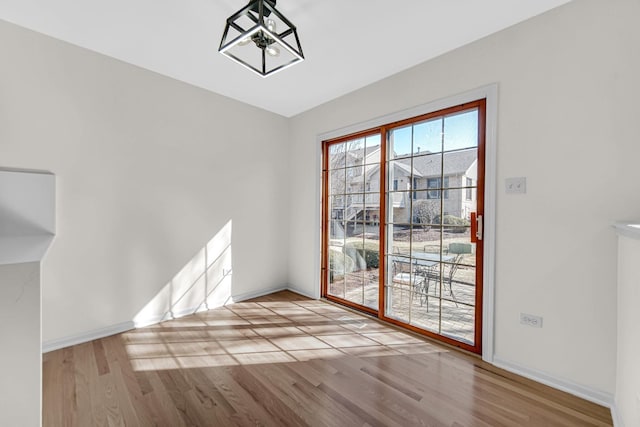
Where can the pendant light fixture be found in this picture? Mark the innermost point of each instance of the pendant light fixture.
(260, 38)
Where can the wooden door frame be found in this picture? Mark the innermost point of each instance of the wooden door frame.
(488, 92)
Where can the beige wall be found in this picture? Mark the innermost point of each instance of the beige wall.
(148, 171)
(567, 107)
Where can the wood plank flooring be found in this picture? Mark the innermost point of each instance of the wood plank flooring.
(285, 360)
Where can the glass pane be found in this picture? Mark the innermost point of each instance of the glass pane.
(427, 137)
(400, 142)
(354, 213)
(399, 207)
(425, 310)
(354, 249)
(398, 238)
(461, 130)
(372, 260)
(398, 296)
(425, 211)
(338, 263)
(351, 228)
(355, 204)
(457, 209)
(372, 149)
(336, 207)
(372, 185)
(400, 175)
(372, 176)
(337, 182)
(336, 284)
(372, 215)
(427, 167)
(336, 156)
(336, 234)
(355, 152)
(354, 179)
(425, 240)
(460, 164)
(463, 282)
(354, 288)
(457, 321)
(456, 240)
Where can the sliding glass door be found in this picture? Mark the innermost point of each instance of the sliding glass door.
(352, 220)
(413, 192)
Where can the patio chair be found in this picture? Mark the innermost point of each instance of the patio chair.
(404, 272)
(459, 250)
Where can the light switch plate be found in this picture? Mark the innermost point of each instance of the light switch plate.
(516, 185)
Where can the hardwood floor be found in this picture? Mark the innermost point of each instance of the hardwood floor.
(284, 360)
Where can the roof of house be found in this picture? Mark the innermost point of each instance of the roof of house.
(455, 162)
(429, 164)
(405, 167)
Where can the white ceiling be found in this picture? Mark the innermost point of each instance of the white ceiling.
(348, 44)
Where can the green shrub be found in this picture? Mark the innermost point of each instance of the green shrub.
(454, 220)
(455, 223)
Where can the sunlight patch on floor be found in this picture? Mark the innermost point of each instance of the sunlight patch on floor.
(254, 333)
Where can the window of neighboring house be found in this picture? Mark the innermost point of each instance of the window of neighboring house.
(434, 185)
(469, 191)
(395, 185)
(415, 187)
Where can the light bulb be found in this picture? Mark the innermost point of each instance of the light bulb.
(273, 51)
(271, 25)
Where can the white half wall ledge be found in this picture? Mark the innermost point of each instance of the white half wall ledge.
(21, 249)
(119, 328)
(27, 215)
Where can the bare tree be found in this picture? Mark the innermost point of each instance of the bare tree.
(425, 211)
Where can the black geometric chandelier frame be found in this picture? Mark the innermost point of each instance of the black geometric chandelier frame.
(261, 39)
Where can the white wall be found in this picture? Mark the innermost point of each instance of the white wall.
(20, 358)
(628, 378)
(148, 171)
(568, 91)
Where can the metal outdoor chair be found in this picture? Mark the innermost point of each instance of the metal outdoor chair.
(458, 251)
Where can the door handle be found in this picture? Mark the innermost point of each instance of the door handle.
(476, 227)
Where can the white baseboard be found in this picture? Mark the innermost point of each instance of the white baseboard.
(256, 294)
(584, 392)
(301, 292)
(615, 415)
(83, 337)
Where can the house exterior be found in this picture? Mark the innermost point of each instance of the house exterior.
(411, 180)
